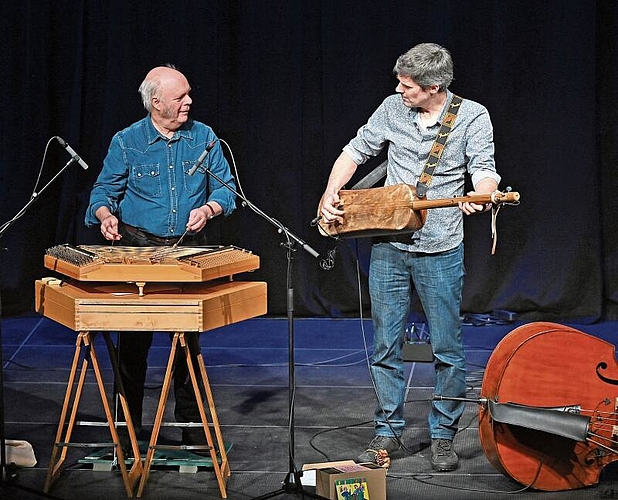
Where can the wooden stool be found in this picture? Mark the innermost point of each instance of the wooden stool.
(85, 351)
(218, 453)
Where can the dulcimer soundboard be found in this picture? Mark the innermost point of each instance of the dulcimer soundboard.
(141, 265)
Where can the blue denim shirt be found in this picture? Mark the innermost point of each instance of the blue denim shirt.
(145, 182)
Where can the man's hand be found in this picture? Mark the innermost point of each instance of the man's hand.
(109, 224)
(486, 185)
(199, 217)
(469, 208)
(328, 208)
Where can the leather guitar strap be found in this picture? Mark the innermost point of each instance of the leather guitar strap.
(438, 147)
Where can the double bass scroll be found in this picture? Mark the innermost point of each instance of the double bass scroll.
(395, 210)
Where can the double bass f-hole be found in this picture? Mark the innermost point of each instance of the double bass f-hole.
(603, 366)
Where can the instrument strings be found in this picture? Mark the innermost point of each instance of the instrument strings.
(603, 422)
(162, 252)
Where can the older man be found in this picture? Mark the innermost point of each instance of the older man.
(145, 195)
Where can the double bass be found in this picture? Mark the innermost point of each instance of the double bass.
(549, 407)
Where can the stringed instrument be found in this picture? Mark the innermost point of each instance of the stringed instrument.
(550, 417)
(394, 210)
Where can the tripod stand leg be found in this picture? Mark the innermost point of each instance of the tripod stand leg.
(156, 426)
(292, 483)
(137, 469)
(129, 482)
(222, 471)
(72, 399)
(56, 462)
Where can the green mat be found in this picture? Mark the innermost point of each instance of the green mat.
(172, 456)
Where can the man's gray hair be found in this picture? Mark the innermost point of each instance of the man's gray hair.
(149, 88)
(427, 64)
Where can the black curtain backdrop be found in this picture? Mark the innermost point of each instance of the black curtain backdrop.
(286, 85)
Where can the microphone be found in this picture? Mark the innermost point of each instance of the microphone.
(71, 151)
(202, 157)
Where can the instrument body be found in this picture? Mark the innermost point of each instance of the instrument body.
(376, 212)
(394, 210)
(182, 292)
(149, 264)
(550, 366)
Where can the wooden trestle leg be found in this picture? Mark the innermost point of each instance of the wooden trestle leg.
(85, 351)
(217, 451)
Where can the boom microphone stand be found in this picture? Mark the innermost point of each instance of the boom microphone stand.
(6, 474)
(291, 484)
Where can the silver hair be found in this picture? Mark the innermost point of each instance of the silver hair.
(427, 64)
(150, 88)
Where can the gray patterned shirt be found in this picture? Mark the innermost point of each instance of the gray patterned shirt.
(469, 148)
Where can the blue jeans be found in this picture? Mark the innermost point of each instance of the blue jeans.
(438, 281)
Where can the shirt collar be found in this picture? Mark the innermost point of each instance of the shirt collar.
(153, 134)
(414, 112)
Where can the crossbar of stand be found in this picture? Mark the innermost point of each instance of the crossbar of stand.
(217, 450)
(85, 357)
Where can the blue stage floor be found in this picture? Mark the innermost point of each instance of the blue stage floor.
(247, 365)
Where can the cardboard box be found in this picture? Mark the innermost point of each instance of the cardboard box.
(334, 476)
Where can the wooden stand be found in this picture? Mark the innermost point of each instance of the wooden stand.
(217, 450)
(85, 351)
(100, 307)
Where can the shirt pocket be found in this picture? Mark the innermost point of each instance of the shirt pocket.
(147, 179)
(196, 182)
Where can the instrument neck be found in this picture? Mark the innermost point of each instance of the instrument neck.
(422, 204)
